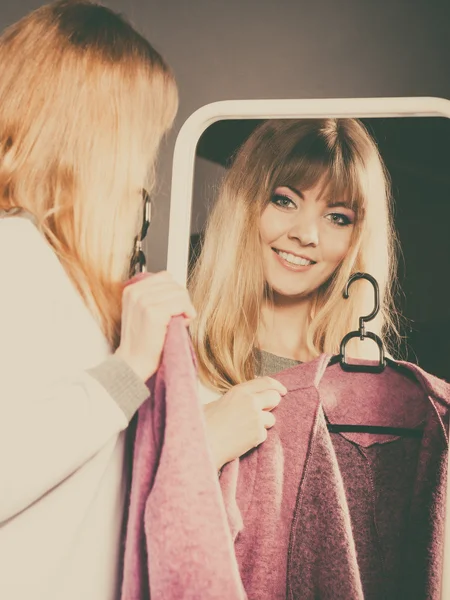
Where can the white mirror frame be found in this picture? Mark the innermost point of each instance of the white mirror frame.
(184, 164)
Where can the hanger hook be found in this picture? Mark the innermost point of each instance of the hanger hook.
(361, 333)
(376, 289)
(138, 261)
(147, 215)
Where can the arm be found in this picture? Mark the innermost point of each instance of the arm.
(51, 422)
(44, 441)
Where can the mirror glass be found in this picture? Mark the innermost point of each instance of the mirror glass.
(416, 153)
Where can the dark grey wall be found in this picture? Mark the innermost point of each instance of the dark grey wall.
(293, 49)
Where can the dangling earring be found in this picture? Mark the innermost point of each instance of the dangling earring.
(138, 262)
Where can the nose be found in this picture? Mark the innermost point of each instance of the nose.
(305, 230)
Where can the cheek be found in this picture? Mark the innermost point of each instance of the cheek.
(272, 225)
(337, 246)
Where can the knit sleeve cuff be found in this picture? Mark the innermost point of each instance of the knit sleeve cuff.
(123, 385)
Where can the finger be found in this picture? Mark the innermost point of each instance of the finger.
(164, 294)
(261, 384)
(268, 419)
(158, 277)
(157, 289)
(262, 437)
(177, 304)
(145, 281)
(163, 291)
(148, 276)
(268, 399)
(180, 304)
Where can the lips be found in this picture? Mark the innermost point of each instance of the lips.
(294, 259)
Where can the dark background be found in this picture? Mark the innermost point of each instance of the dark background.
(296, 49)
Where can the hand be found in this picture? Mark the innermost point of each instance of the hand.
(147, 307)
(239, 420)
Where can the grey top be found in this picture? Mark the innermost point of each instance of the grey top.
(270, 364)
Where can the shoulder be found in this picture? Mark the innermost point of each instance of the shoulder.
(435, 387)
(438, 387)
(45, 327)
(24, 252)
(32, 279)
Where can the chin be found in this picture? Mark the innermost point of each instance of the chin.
(291, 293)
(295, 290)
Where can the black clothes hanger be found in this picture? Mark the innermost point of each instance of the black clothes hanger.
(361, 332)
(138, 263)
(383, 362)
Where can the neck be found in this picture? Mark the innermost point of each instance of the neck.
(283, 327)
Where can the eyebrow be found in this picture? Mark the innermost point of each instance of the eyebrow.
(295, 190)
(329, 204)
(340, 205)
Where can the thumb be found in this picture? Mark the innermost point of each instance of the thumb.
(138, 277)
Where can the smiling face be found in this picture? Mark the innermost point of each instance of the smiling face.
(305, 235)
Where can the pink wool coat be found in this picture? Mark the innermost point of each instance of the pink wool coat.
(177, 544)
(288, 505)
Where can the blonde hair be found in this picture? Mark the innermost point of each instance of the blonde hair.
(84, 103)
(227, 284)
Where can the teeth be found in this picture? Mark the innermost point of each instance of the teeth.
(295, 260)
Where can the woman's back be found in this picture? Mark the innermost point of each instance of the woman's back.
(71, 446)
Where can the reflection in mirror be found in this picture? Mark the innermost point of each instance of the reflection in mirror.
(416, 153)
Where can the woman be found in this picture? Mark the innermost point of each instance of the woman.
(84, 103)
(304, 204)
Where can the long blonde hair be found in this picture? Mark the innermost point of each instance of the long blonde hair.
(84, 103)
(227, 283)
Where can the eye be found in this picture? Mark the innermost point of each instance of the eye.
(282, 201)
(339, 219)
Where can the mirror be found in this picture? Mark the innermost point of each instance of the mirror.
(416, 153)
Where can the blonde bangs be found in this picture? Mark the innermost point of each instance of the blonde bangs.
(81, 119)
